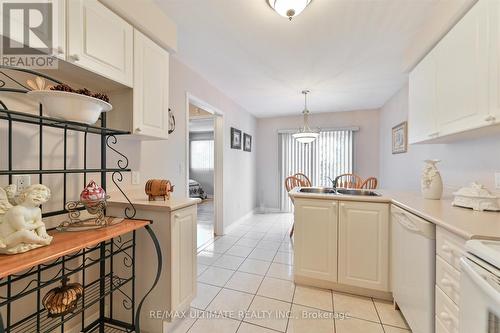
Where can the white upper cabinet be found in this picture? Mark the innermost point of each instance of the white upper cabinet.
(151, 88)
(364, 245)
(462, 73)
(454, 88)
(100, 41)
(422, 101)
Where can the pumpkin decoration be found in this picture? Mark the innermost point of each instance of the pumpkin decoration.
(62, 300)
(158, 188)
(92, 197)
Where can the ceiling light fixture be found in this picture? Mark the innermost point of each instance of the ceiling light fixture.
(289, 8)
(306, 134)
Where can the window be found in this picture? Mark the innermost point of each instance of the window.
(329, 156)
(202, 154)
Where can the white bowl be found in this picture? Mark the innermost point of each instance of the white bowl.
(70, 106)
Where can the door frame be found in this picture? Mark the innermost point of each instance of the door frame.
(218, 117)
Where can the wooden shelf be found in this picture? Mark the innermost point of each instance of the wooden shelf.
(64, 243)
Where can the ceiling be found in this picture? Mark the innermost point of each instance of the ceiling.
(351, 54)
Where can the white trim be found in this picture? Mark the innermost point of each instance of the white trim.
(218, 116)
(352, 128)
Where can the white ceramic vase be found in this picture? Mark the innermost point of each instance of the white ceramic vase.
(431, 184)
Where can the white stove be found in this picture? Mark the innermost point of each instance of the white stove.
(480, 288)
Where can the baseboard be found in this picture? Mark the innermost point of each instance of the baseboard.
(233, 225)
(267, 210)
(307, 281)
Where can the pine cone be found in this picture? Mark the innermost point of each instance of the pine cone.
(84, 91)
(62, 87)
(101, 96)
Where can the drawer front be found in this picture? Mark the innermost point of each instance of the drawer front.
(448, 279)
(440, 328)
(449, 247)
(446, 311)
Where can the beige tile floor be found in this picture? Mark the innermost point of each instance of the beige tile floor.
(245, 285)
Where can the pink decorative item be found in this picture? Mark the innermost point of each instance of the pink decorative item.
(92, 195)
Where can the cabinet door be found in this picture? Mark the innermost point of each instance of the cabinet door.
(183, 256)
(99, 40)
(315, 248)
(422, 101)
(364, 245)
(494, 24)
(462, 73)
(151, 88)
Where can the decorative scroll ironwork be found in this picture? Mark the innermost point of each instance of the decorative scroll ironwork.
(130, 211)
(112, 140)
(157, 278)
(39, 278)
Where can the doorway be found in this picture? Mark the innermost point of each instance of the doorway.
(204, 166)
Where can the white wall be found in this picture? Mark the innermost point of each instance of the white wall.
(167, 159)
(366, 154)
(462, 162)
(153, 159)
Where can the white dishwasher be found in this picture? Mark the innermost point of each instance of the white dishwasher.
(414, 268)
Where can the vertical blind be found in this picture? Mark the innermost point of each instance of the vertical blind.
(329, 156)
(202, 155)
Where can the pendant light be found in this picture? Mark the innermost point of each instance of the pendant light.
(306, 134)
(289, 8)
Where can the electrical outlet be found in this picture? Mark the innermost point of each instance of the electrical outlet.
(136, 178)
(22, 182)
(497, 180)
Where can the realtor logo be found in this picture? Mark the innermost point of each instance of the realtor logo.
(27, 34)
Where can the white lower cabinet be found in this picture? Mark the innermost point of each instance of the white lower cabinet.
(176, 234)
(183, 256)
(347, 246)
(364, 245)
(316, 239)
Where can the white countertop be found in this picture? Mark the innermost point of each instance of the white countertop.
(140, 200)
(464, 222)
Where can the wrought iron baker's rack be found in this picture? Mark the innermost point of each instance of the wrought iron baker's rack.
(100, 291)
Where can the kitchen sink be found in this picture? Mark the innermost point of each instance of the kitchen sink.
(319, 190)
(357, 192)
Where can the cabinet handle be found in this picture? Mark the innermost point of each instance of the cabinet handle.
(74, 57)
(138, 130)
(177, 216)
(490, 118)
(432, 135)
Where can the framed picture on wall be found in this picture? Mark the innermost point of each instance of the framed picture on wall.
(400, 138)
(235, 138)
(247, 142)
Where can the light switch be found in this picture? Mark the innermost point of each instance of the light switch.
(22, 182)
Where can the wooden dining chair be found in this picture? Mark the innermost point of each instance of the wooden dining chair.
(292, 182)
(348, 180)
(304, 179)
(370, 183)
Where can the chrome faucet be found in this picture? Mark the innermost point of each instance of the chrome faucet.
(334, 183)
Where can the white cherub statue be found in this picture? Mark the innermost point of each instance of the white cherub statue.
(21, 225)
